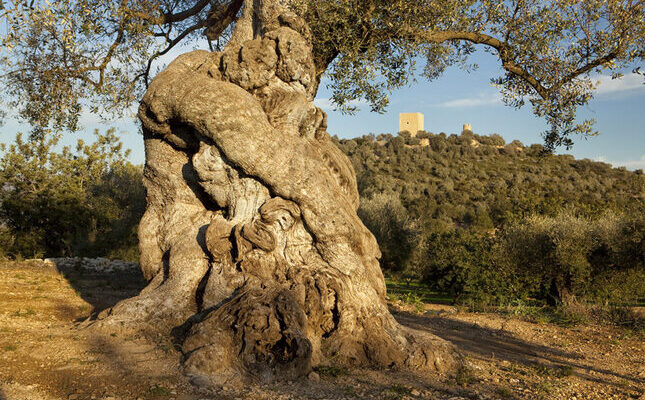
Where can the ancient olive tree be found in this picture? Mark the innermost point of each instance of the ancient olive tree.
(257, 261)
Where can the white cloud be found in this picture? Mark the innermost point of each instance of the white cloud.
(629, 164)
(634, 164)
(476, 101)
(629, 82)
(632, 83)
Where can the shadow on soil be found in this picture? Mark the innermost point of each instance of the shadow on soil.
(103, 289)
(492, 344)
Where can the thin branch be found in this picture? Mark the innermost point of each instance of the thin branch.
(170, 17)
(219, 20)
(512, 20)
(146, 73)
(505, 52)
(588, 67)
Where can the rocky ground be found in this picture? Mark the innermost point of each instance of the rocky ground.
(45, 353)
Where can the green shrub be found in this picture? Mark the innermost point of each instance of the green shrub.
(552, 253)
(568, 256)
(81, 202)
(385, 216)
(468, 266)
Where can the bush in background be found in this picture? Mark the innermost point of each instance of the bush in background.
(384, 215)
(85, 201)
(553, 252)
(565, 261)
(467, 265)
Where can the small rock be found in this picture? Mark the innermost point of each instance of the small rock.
(313, 376)
(513, 380)
(415, 392)
(72, 396)
(200, 381)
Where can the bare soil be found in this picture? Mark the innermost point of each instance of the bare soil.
(46, 352)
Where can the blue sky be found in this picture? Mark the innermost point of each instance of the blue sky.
(460, 97)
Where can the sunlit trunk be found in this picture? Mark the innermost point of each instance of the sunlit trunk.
(258, 262)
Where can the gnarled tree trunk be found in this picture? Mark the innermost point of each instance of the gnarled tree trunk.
(257, 259)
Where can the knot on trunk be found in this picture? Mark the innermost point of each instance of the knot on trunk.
(261, 332)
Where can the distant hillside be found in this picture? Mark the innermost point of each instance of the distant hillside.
(480, 182)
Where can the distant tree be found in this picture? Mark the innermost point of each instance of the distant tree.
(85, 201)
(388, 220)
(555, 251)
(469, 267)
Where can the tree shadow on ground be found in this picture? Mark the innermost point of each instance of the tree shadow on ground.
(489, 344)
(141, 368)
(386, 384)
(136, 365)
(103, 289)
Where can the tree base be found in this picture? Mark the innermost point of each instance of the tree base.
(259, 264)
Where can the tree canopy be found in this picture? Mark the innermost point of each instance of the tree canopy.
(69, 201)
(58, 56)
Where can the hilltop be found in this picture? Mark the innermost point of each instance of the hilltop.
(489, 222)
(481, 182)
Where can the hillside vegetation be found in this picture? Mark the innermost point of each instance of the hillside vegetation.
(495, 223)
(481, 221)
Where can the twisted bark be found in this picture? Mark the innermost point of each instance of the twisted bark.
(258, 261)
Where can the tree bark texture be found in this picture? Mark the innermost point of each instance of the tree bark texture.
(257, 260)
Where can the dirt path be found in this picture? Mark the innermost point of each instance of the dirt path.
(44, 355)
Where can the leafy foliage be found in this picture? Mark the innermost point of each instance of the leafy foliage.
(547, 49)
(57, 53)
(495, 222)
(62, 203)
(388, 220)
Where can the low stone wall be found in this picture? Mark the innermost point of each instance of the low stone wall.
(93, 264)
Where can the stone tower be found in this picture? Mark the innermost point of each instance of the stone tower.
(467, 127)
(411, 122)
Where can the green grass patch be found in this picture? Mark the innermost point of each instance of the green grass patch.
(28, 313)
(558, 371)
(504, 393)
(331, 370)
(417, 289)
(157, 391)
(464, 376)
(400, 390)
(9, 347)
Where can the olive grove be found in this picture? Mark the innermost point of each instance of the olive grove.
(258, 263)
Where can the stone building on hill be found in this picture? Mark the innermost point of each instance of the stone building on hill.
(411, 122)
